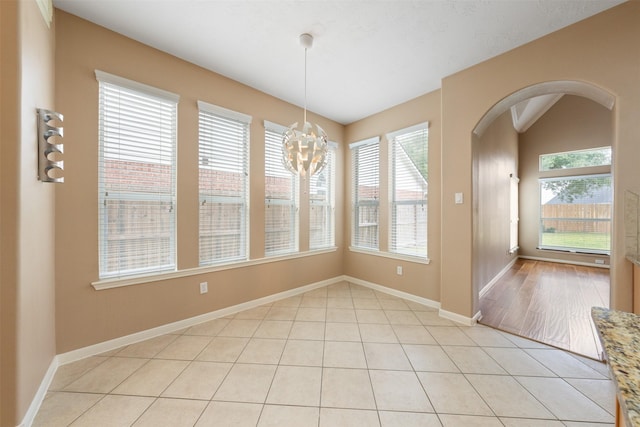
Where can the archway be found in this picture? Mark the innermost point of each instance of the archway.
(491, 192)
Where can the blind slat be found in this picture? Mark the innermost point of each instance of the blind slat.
(281, 217)
(137, 178)
(365, 157)
(322, 202)
(409, 191)
(223, 182)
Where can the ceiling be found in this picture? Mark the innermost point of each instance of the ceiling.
(367, 56)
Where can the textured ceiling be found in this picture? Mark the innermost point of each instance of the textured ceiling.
(367, 55)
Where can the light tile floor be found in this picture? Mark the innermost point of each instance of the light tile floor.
(341, 355)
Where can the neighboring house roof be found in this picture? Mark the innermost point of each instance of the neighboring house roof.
(602, 195)
(419, 182)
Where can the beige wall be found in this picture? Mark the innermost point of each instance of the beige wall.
(602, 51)
(495, 159)
(28, 287)
(418, 279)
(573, 123)
(86, 316)
(9, 135)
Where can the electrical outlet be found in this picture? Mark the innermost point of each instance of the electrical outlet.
(204, 287)
(399, 270)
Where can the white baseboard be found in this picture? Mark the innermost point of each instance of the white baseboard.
(394, 292)
(34, 407)
(497, 277)
(458, 318)
(562, 261)
(455, 317)
(115, 343)
(95, 349)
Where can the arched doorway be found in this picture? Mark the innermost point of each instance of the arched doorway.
(497, 155)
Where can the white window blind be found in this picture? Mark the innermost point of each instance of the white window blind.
(365, 192)
(137, 178)
(281, 197)
(322, 204)
(514, 216)
(223, 184)
(408, 150)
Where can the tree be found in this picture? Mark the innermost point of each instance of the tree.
(568, 190)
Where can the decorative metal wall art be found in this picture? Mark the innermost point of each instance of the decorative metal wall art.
(50, 164)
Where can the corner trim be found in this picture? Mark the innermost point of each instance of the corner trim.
(458, 318)
(37, 400)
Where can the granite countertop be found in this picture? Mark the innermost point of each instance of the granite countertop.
(634, 259)
(619, 333)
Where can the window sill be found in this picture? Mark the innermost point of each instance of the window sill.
(417, 260)
(100, 285)
(574, 251)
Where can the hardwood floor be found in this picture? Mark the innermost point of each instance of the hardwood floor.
(549, 302)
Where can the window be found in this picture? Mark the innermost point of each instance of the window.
(575, 209)
(408, 186)
(136, 178)
(575, 213)
(514, 215)
(322, 204)
(576, 159)
(365, 189)
(223, 183)
(281, 197)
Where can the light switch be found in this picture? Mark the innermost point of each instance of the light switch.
(458, 198)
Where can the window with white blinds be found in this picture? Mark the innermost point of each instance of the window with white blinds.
(513, 213)
(136, 178)
(365, 193)
(223, 158)
(281, 197)
(322, 204)
(408, 150)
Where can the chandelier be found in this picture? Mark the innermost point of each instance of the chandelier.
(304, 151)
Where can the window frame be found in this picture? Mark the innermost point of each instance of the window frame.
(514, 213)
(276, 131)
(394, 202)
(227, 120)
(541, 228)
(357, 203)
(328, 239)
(541, 158)
(108, 86)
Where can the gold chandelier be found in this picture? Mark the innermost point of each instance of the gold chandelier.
(304, 151)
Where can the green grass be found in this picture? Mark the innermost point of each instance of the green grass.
(597, 241)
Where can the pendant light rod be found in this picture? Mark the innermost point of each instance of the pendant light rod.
(306, 40)
(305, 85)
